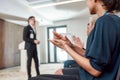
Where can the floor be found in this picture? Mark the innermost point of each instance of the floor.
(14, 73)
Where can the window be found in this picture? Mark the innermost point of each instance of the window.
(56, 54)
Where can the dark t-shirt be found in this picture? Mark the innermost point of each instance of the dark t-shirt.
(103, 48)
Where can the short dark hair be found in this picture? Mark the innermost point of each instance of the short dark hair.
(112, 5)
(30, 18)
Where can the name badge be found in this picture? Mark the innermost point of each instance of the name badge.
(31, 35)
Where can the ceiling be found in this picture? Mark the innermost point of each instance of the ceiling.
(45, 11)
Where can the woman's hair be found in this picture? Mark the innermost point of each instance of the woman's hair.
(112, 5)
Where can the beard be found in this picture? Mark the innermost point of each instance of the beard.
(92, 11)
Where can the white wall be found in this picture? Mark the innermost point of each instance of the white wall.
(74, 26)
(43, 44)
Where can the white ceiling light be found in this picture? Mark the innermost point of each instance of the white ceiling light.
(56, 3)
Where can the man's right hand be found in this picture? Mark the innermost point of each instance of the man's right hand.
(36, 41)
(63, 38)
